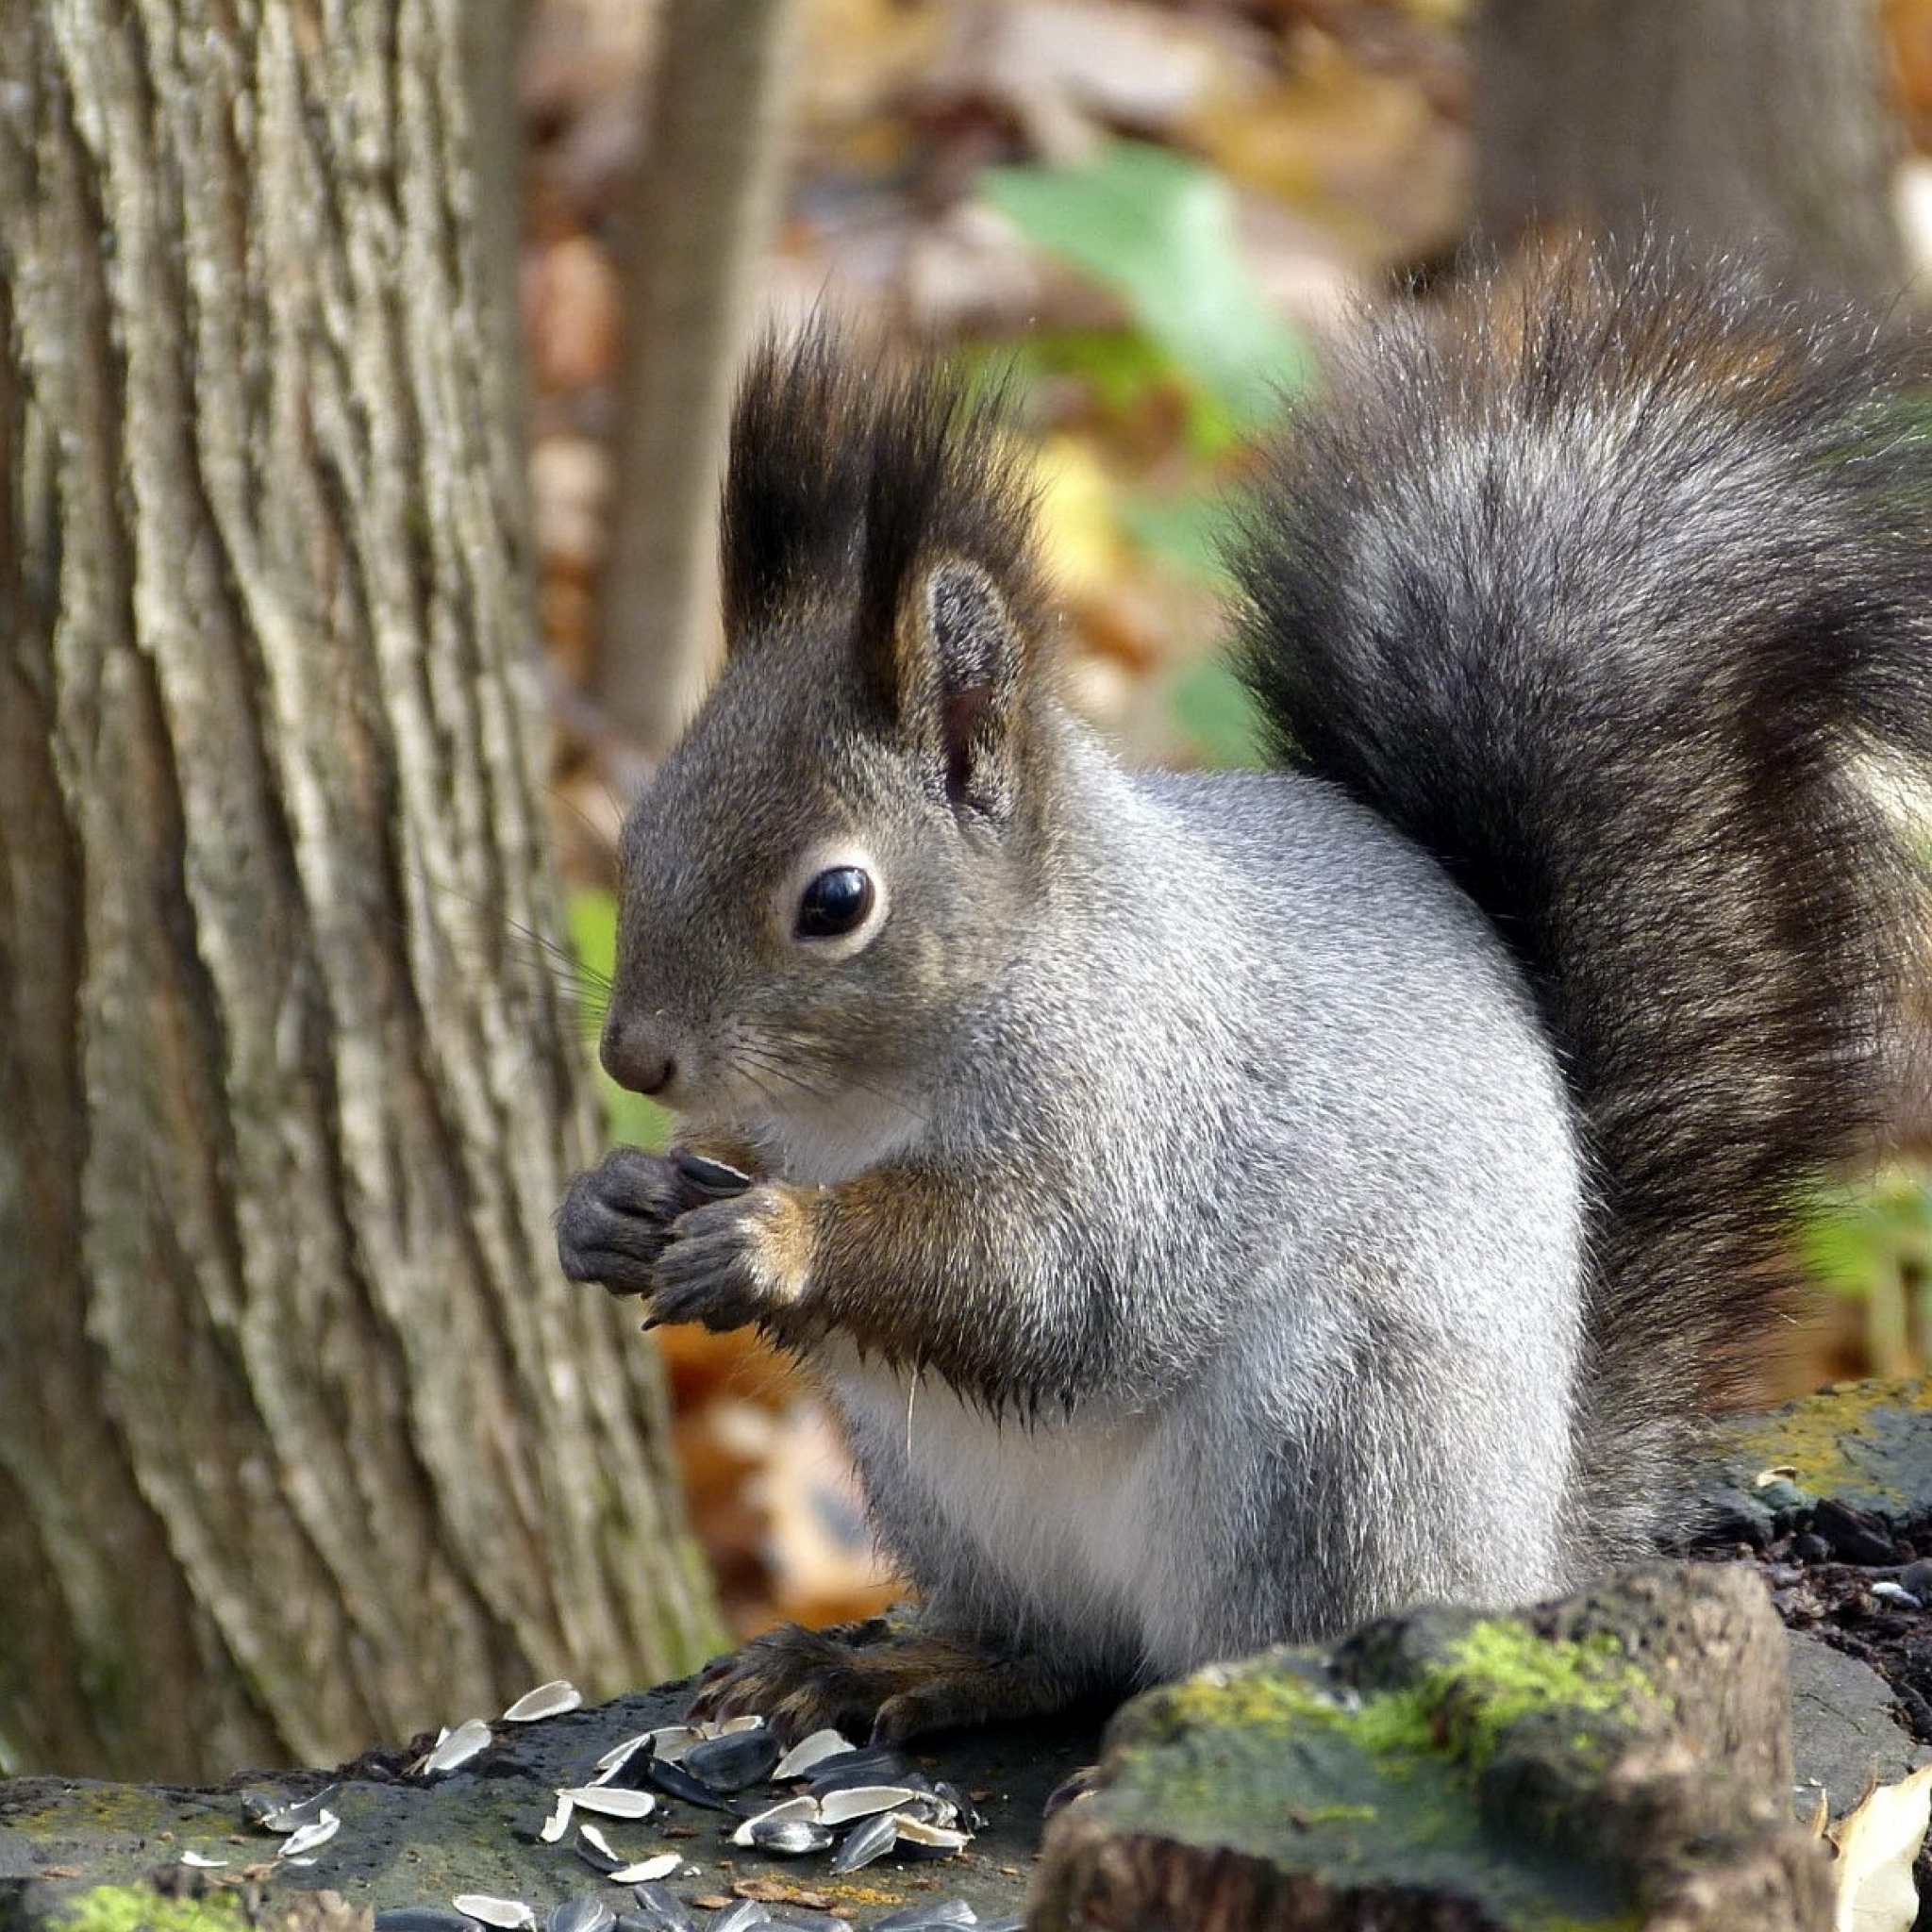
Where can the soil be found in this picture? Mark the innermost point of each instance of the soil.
(1854, 1581)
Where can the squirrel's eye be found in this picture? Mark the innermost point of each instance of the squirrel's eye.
(836, 902)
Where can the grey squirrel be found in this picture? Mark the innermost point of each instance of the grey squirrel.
(1224, 1207)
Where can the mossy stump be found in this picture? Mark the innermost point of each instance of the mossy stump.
(1619, 1760)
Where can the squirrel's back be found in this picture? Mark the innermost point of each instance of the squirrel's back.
(1608, 593)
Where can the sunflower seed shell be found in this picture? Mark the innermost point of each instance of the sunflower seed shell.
(648, 1870)
(548, 1700)
(610, 1801)
(508, 1914)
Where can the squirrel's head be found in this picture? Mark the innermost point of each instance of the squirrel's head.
(820, 885)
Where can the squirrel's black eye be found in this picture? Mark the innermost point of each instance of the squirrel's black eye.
(835, 903)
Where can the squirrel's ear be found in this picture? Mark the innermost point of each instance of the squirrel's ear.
(958, 662)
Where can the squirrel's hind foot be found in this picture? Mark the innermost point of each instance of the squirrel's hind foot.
(885, 1679)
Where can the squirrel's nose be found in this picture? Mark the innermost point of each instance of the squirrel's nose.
(635, 1055)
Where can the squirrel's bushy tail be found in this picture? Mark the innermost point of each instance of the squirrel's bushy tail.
(1616, 594)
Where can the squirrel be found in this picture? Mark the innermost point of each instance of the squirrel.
(1224, 1207)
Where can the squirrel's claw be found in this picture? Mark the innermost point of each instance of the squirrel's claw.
(886, 1681)
(732, 1262)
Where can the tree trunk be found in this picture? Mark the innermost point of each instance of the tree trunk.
(304, 1444)
(1760, 126)
(701, 218)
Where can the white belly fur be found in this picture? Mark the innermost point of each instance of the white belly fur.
(1065, 1512)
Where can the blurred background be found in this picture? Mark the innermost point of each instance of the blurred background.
(349, 350)
(1158, 215)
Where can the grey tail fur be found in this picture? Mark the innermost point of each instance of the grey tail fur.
(1615, 600)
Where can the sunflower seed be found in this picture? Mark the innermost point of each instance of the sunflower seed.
(647, 1871)
(422, 1919)
(862, 1801)
(806, 1809)
(746, 1913)
(873, 1764)
(548, 1700)
(873, 1840)
(455, 1749)
(941, 1840)
(311, 1836)
(610, 1801)
(508, 1914)
(198, 1863)
(711, 1179)
(736, 1760)
(927, 1916)
(582, 1913)
(558, 1822)
(618, 1757)
(270, 1813)
(669, 1742)
(964, 1811)
(812, 1751)
(594, 1848)
(678, 1783)
(790, 1837)
(660, 1909)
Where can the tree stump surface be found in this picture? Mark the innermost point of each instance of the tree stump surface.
(1619, 1758)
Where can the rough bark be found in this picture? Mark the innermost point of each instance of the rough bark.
(1762, 126)
(701, 215)
(303, 1442)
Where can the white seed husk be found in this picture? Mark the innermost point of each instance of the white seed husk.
(862, 1801)
(201, 1863)
(806, 1809)
(647, 1871)
(509, 1914)
(614, 1759)
(455, 1749)
(558, 1822)
(288, 1815)
(311, 1836)
(610, 1801)
(730, 1726)
(598, 1842)
(812, 1751)
(942, 1838)
(671, 1742)
(548, 1700)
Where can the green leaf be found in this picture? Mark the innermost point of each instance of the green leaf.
(1212, 707)
(1159, 229)
(1189, 532)
(629, 1118)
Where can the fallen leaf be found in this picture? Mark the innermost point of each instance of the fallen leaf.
(1876, 1845)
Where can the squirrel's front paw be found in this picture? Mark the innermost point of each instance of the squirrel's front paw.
(616, 1218)
(884, 1679)
(736, 1261)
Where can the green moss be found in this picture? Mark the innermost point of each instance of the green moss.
(140, 1909)
(1501, 1671)
(1492, 1677)
(1833, 1440)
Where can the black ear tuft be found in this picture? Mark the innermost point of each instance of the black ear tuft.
(852, 482)
(794, 482)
